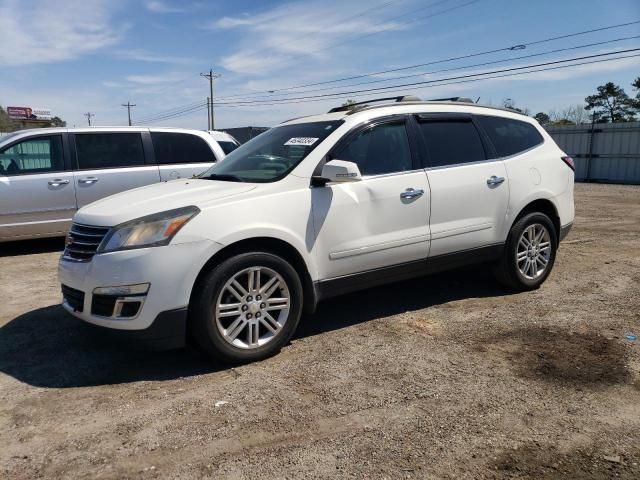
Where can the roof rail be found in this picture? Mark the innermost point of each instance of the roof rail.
(350, 106)
(452, 99)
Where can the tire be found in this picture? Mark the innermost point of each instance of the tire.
(236, 324)
(516, 267)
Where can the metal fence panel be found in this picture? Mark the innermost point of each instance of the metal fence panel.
(608, 152)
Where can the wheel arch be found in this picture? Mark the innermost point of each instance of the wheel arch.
(272, 245)
(542, 205)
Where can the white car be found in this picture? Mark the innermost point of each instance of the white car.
(46, 174)
(317, 207)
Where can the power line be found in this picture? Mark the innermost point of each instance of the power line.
(169, 111)
(432, 72)
(443, 83)
(444, 60)
(351, 92)
(409, 67)
(129, 105)
(452, 80)
(178, 113)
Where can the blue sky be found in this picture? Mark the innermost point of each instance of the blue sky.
(75, 56)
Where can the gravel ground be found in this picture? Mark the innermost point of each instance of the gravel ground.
(444, 377)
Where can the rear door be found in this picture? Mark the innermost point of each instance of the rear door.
(181, 155)
(469, 188)
(109, 163)
(36, 187)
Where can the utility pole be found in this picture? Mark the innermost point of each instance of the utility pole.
(129, 105)
(211, 76)
(89, 115)
(208, 114)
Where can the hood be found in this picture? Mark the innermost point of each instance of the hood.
(156, 198)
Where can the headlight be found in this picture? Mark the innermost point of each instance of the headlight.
(151, 231)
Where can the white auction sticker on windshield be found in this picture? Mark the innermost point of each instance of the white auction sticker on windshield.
(301, 141)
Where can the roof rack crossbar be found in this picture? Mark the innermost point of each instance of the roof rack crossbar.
(350, 106)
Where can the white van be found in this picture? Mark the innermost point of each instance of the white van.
(47, 174)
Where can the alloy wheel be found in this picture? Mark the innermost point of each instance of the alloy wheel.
(534, 251)
(252, 307)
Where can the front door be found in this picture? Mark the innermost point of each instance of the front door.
(109, 163)
(469, 191)
(36, 189)
(381, 221)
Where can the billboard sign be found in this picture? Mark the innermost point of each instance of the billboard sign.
(28, 113)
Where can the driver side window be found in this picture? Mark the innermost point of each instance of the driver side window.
(35, 155)
(379, 150)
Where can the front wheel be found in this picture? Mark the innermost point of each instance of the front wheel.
(247, 308)
(529, 253)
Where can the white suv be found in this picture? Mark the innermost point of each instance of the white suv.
(317, 207)
(46, 174)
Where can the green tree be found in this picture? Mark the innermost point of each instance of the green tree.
(57, 122)
(635, 102)
(610, 104)
(542, 118)
(6, 124)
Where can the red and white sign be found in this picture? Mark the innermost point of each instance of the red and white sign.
(28, 113)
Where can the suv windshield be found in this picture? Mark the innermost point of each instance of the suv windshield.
(271, 155)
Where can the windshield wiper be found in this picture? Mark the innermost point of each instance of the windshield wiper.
(225, 177)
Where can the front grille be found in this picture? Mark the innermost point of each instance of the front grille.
(103, 305)
(73, 297)
(83, 241)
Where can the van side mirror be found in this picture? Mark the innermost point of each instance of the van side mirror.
(339, 171)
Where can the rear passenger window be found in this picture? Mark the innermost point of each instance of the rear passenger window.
(35, 155)
(378, 150)
(181, 148)
(452, 142)
(108, 150)
(510, 136)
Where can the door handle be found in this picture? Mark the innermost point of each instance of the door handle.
(57, 182)
(88, 180)
(412, 193)
(493, 180)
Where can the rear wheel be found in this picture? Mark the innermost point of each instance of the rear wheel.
(247, 308)
(529, 253)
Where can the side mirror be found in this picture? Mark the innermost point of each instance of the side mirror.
(340, 171)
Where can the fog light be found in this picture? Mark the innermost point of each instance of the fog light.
(127, 309)
(123, 290)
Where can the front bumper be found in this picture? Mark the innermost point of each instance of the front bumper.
(171, 272)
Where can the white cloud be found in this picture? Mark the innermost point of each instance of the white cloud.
(149, 57)
(155, 79)
(303, 29)
(46, 32)
(157, 6)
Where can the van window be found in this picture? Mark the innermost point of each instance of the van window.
(510, 136)
(227, 146)
(109, 150)
(452, 142)
(34, 155)
(181, 148)
(379, 150)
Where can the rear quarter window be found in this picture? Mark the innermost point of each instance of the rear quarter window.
(172, 147)
(510, 137)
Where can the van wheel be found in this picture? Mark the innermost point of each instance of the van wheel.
(247, 308)
(529, 253)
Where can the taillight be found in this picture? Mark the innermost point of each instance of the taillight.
(569, 161)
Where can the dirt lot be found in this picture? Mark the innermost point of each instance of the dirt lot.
(445, 377)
